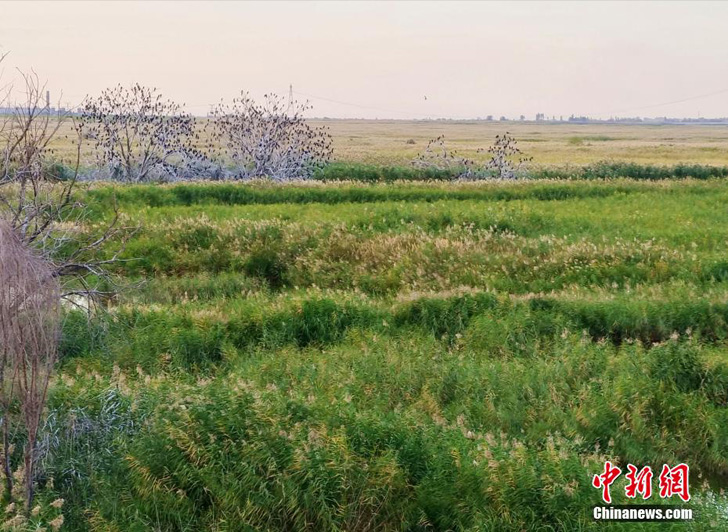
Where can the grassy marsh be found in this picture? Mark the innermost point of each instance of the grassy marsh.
(416, 356)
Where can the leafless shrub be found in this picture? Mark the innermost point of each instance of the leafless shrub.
(271, 139)
(139, 136)
(506, 160)
(29, 333)
(438, 156)
(45, 212)
(25, 134)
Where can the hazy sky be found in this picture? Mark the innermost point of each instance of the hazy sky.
(382, 59)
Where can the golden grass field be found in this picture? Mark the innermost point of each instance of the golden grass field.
(371, 141)
(391, 141)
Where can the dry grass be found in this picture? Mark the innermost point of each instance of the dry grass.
(386, 142)
(390, 141)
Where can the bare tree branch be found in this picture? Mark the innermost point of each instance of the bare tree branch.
(29, 334)
(46, 212)
(271, 139)
(138, 135)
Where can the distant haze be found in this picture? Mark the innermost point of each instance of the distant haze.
(387, 60)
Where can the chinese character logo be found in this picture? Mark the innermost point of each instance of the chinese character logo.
(606, 479)
(640, 481)
(673, 481)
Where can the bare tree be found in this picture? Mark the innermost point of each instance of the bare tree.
(139, 136)
(25, 134)
(439, 157)
(29, 333)
(4, 93)
(506, 159)
(47, 213)
(271, 139)
(45, 254)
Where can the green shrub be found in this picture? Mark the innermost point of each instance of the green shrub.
(444, 317)
(516, 331)
(267, 264)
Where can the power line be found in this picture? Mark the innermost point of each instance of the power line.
(690, 98)
(352, 104)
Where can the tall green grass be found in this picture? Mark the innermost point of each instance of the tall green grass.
(599, 170)
(395, 356)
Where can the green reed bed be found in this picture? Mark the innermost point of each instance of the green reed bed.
(411, 356)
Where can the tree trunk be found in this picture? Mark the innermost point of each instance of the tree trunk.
(29, 473)
(6, 458)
